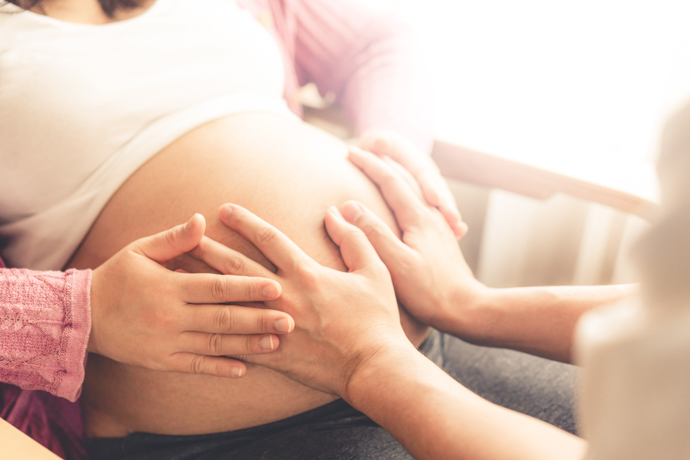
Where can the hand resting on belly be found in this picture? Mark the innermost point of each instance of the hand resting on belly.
(284, 171)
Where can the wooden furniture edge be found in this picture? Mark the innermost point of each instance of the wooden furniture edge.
(16, 445)
(456, 162)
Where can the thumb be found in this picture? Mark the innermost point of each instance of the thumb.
(357, 251)
(174, 242)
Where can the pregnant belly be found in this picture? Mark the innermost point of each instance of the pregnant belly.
(286, 172)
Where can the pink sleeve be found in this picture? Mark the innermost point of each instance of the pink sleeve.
(45, 321)
(369, 61)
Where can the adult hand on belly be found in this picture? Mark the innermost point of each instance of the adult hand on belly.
(328, 345)
(422, 170)
(146, 315)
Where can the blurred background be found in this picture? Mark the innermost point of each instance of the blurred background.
(578, 88)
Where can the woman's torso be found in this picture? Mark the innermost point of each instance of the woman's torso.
(83, 106)
(89, 106)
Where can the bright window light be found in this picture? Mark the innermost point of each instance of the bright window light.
(580, 87)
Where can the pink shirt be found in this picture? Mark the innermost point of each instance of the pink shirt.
(369, 63)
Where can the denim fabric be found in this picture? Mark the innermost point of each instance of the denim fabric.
(534, 386)
(336, 431)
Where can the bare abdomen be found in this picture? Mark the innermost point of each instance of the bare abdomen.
(284, 171)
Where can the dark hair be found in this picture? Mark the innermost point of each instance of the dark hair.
(109, 6)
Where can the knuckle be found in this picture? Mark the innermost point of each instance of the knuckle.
(251, 290)
(245, 357)
(248, 344)
(159, 319)
(389, 178)
(171, 236)
(224, 320)
(218, 289)
(358, 236)
(263, 323)
(197, 364)
(234, 265)
(265, 235)
(214, 345)
(371, 228)
(306, 274)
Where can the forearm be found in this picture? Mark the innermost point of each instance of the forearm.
(536, 320)
(45, 322)
(370, 61)
(436, 418)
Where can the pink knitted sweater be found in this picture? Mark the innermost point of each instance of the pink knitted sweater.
(365, 59)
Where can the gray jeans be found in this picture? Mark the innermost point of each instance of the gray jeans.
(534, 386)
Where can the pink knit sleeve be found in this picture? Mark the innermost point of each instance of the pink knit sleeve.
(45, 322)
(369, 61)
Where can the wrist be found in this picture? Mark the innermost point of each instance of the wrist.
(461, 312)
(385, 359)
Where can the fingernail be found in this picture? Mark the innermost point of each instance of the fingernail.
(236, 372)
(270, 291)
(188, 225)
(463, 228)
(266, 342)
(283, 325)
(351, 211)
(225, 211)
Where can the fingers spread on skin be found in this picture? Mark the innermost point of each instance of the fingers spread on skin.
(431, 188)
(357, 251)
(445, 202)
(406, 154)
(233, 319)
(405, 174)
(387, 245)
(424, 171)
(228, 344)
(208, 288)
(453, 218)
(227, 260)
(407, 207)
(174, 242)
(277, 247)
(211, 365)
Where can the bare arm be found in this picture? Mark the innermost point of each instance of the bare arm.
(370, 61)
(536, 320)
(437, 287)
(348, 341)
(436, 418)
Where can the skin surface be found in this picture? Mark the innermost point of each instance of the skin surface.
(377, 370)
(380, 373)
(437, 287)
(288, 174)
(146, 315)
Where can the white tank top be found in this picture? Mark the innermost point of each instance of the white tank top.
(84, 106)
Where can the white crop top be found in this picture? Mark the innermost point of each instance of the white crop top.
(84, 106)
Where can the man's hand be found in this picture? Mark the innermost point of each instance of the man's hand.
(342, 320)
(423, 170)
(146, 315)
(430, 275)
